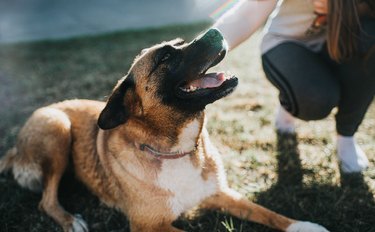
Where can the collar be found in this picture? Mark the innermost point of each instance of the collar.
(163, 155)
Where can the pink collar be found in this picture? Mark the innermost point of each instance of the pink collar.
(163, 155)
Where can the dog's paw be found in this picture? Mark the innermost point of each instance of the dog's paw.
(305, 227)
(78, 224)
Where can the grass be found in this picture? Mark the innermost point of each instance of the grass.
(294, 175)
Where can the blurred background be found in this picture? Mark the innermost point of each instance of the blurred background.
(30, 20)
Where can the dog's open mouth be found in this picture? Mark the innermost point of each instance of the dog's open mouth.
(208, 83)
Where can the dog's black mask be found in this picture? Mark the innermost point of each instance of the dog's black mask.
(185, 84)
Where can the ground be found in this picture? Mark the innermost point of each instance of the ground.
(294, 175)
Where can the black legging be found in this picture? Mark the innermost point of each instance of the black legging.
(311, 84)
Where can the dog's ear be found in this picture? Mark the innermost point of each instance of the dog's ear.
(115, 112)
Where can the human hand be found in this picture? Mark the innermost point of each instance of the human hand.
(320, 10)
(321, 6)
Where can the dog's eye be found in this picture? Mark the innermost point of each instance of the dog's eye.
(165, 57)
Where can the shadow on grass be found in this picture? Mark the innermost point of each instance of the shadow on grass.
(19, 208)
(348, 207)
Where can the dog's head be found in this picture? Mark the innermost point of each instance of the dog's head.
(172, 76)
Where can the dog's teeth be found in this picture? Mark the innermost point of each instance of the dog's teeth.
(190, 89)
(229, 75)
(184, 89)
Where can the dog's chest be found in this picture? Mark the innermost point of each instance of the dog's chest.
(186, 184)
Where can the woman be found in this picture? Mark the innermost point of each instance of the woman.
(320, 55)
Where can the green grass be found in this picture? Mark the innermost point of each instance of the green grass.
(294, 175)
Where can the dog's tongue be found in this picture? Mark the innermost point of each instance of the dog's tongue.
(210, 80)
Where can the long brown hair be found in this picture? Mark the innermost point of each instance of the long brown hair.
(342, 29)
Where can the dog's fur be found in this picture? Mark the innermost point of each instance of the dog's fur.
(143, 109)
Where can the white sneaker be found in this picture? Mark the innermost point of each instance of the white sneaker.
(351, 156)
(285, 122)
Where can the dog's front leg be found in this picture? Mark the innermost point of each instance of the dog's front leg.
(232, 202)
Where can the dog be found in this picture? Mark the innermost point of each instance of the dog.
(145, 151)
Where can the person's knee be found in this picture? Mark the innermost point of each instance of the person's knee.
(310, 104)
(316, 107)
(309, 90)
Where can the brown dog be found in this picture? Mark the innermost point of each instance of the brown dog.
(151, 156)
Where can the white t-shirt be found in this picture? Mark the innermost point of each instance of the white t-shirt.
(291, 21)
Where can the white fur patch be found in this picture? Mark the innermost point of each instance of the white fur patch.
(186, 183)
(79, 225)
(180, 177)
(306, 227)
(28, 176)
(187, 139)
(212, 151)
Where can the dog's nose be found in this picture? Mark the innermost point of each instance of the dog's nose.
(212, 37)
